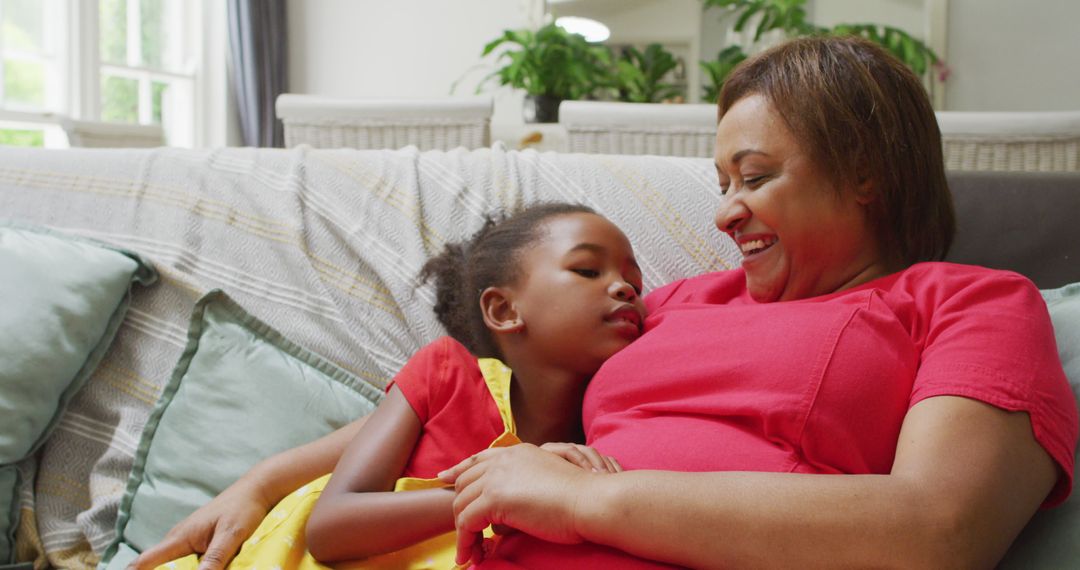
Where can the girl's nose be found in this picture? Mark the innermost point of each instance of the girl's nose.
(622, 290)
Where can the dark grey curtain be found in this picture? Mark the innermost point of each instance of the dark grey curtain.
(257, 54)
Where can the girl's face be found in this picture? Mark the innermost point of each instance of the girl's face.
(579, 294)
(800, 235)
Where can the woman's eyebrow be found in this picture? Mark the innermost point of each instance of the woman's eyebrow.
(745, 152)
(738, 156)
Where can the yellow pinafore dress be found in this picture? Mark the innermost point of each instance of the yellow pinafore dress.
(279, 544)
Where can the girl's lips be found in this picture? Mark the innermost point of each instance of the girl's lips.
(627, 320)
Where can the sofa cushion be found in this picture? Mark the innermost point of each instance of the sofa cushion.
(240, 393)
(63, 299)
(8, 512)
(1020, 221)
(1051, 540)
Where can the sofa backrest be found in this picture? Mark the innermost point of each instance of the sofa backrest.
(1022, 221)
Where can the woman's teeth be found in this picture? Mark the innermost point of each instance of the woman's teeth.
(756, 245)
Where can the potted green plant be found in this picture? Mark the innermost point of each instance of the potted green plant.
(550, 65)
(789, 16)
(718, 69)
(639, 75)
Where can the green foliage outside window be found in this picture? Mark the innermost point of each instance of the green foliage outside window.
(119, 99)
(113, 31)
(22, 137)
(22, 25)
(152, 32)
(24, 82)
(158, 95)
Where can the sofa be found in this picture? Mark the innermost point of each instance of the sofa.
(307, 260)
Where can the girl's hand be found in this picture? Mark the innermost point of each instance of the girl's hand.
(522, 487)
(215, 531)
(584, 457)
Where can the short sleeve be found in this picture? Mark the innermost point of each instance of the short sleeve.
(988, 337)
(419, 379)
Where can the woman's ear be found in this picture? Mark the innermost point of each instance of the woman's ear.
(500, 314)
(865, 190)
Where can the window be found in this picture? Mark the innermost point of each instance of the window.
(29, 70)
(147, 64)
(122, 61)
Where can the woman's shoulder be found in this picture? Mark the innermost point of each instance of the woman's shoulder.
(941, 280)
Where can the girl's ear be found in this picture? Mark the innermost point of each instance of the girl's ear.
(500, 314)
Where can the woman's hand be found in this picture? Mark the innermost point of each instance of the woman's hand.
(215, 531)
(584, 457)
(522, 487)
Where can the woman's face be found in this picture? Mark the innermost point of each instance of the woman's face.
(799, 237)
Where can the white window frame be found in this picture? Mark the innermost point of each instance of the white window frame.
(78, 71)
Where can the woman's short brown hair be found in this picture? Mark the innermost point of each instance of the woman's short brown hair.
(863, 117)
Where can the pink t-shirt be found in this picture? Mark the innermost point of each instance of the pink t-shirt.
(719, 382)
(443, 384)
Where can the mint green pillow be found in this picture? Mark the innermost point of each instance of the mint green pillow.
(62, 299)
(241, 392)
(1052, 538)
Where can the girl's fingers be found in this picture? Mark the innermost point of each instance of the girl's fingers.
(450, 475)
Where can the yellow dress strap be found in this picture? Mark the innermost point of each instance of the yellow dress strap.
(497, 378)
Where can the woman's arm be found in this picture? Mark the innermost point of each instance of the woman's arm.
(217, 529)
(358, 514)
(965, 480)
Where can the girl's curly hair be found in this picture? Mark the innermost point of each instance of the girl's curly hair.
(490, 258)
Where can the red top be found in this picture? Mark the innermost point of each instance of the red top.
(443, 384)
(719, 382)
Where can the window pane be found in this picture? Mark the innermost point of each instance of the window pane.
(21, 137)
(119, 99)
(24, 83)
(160, 89)
(22, 25)
(153, 32)
(113, 30)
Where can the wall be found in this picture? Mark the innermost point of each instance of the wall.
(1008, 55)
(398, 48)
(1005, 55)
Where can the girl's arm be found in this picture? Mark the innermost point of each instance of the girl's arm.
(217, 529)
(358, 514)
(966, 478)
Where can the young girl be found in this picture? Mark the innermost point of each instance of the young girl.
(549, 294)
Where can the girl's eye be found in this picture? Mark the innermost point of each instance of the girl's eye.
(637, 288)
(589, 273)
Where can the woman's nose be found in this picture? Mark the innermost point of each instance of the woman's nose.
(731, 214)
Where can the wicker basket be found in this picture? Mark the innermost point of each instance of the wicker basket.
(428, 124)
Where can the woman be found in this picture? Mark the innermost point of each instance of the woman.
(930, 394)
